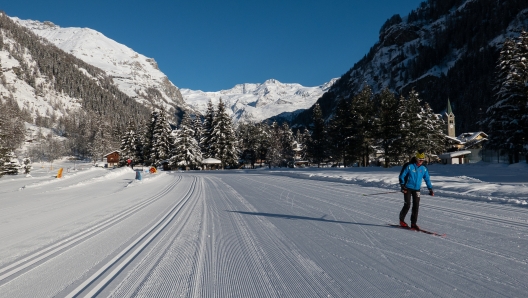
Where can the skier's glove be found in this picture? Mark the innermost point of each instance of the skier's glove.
(403, 189)
(431, 193)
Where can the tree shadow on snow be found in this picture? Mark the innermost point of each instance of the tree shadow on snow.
(289, 216)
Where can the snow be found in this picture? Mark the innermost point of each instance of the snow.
(258, 102)
(132, 72)
(304, 232)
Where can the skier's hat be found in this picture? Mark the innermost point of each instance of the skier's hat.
(420, 155)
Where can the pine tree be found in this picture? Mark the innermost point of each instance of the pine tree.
(388, 132)
(363, 121)
(317, 147)
(413, 133)
(287, 140)
(129, 142)
(162, 141)
(27, 165)
(340, 131)
(247, 134)
(186, 147)
(262, 140)
(207, 131)
(197, 128)
(142, 142)
(507, 119)
(11, 165)
(223, 145)
(274, 155)
(434, 142)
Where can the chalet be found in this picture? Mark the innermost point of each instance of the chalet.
(112, 158)
(456, 157)
(212, 163)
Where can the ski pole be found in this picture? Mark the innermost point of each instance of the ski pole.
(380, 193)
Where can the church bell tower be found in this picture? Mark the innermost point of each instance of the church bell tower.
(449, 119)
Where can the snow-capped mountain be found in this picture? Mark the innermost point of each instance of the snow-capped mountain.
(140, 78)
(48, 83)
(135, 75)
(257, 102)
(444, 49)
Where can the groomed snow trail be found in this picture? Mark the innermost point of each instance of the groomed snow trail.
(233, 234)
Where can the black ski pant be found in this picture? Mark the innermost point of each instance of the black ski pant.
(415, 194)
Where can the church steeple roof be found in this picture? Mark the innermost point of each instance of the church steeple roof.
(449, 111)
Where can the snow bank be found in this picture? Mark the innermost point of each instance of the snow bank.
(481, 181)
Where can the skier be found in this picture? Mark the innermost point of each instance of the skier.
(411, 177)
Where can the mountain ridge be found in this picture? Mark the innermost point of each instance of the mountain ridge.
(443, 49)
(255, 102)
(134, 74)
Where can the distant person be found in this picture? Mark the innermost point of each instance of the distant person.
(410, 178)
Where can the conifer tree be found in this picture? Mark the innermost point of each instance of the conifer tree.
(197, 128)
(222, 144)
(413, 132)
(262, 140)
(186, 148)
(434, 142)
(363, 121)
(274, 155)
(340, 131)
(128, 148)
(247, 134)
(317, 147)
(162, 142)
(11, 165)
(207, 130)
(142, 142)
(388, 132)
(287, 140)
(27, 165)
(507, 119)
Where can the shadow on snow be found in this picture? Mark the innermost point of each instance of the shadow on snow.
(289, 216)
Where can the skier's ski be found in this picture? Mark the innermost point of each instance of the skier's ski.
(420, 230)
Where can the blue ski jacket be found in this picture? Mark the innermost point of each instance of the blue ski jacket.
(411, 176)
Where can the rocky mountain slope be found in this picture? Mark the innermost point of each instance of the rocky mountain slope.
(46, 81)
(258, 102)
(443, 49)
(134, 74)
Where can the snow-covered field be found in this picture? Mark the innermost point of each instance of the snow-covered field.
(262, 233)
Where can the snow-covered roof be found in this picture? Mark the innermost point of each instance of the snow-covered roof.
(454, 154)
(470, 136)
(456, 140)
(115, 151)
(211, 161)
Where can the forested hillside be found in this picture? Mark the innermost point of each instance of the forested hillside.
(443, 49)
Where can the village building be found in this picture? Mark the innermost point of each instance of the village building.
(112, 159)
(211, 164)
(466, 148)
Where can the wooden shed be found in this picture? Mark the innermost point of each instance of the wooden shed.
(112, 158)
(212, 164)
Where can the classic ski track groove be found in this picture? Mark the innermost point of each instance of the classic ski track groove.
(316, 285)
(141, 278)
(330, 185)
(449, 210)
(318, 188)
(43, 255)
(439, 208)
(97, 281)
(365, 264)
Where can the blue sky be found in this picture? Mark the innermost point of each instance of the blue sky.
(214, 45)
